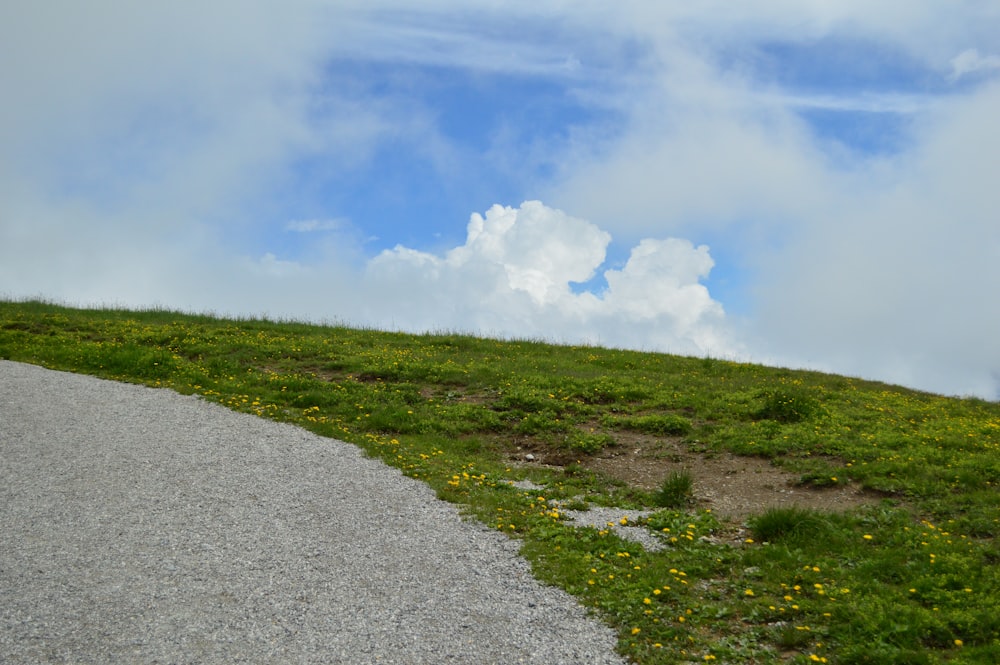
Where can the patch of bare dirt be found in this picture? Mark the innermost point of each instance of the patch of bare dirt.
(732, 486)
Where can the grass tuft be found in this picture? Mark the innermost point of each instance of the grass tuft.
(788, 524)
(676, 491)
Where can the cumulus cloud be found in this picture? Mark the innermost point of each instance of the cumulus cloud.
(541, 249)
(514, 276)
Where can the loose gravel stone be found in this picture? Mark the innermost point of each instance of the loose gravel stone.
(139, 525)
(600, 517)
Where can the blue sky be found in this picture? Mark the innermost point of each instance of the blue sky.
(802, 184)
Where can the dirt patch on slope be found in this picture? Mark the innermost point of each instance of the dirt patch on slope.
(733, 486)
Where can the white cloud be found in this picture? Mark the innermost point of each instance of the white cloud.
(272, 266)
(315, 225)
(462, 41)
(898, 281)
(513, 277)
(540, 249)
(195, 115)
(661, 277)
(969, 61)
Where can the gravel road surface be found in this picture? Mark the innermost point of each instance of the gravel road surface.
(143, 526)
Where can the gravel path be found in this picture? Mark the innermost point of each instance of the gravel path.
(139, 525)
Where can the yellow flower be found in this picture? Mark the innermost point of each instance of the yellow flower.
(959, 643)
(748, 592)
(867, 536)
(636, 631)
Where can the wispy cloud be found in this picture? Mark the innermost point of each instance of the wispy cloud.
(465, 40)
(865, 102)
(970, 62)
(316, 225)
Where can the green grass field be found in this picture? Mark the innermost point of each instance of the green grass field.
(910, 576)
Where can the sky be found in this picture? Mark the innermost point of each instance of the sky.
(802, 184)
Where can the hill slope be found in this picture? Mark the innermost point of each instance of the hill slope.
(802, 516)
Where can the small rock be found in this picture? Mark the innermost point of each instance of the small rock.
(529, 457)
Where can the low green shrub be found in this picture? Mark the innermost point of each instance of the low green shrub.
(589, 443)
(785, 406)
(659, 425)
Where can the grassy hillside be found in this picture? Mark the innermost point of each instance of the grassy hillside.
(907, 573)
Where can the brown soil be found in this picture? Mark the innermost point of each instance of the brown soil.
(732, 486)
